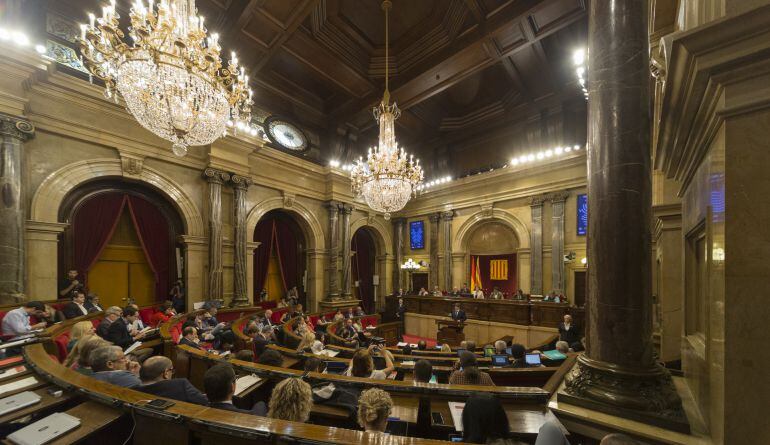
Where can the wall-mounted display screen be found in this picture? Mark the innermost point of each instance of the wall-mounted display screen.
(417, 234)
(582, 214)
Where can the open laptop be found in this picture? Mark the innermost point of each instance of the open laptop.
(489, 352)
(533, 359)
(499, 360)
(18, 401)
(336, 367)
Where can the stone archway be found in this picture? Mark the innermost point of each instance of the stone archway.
(44, 226)
(314, 236)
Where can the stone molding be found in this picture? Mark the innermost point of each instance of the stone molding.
(16, 127)
(131, 164)
(461, 237)
(215, 176)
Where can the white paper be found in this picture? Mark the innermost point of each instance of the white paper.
(198, 305)
(245, 382)
(401, 344)
(18, 384)
(456, 408)
(329, 353)
(133, 347)
(12, 371)
(413, 345)
(408, 362)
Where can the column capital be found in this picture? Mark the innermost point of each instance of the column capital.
(434, 217)
(333, 206)
(537, 201)
(559, 196)
(215, 176)
(398, 221)
(447, 215)
(240, 182)
(346, 208)
(189, 240)
(16, 127)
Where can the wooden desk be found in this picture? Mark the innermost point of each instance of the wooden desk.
(47, 403)
(93, 417)
(522, 422)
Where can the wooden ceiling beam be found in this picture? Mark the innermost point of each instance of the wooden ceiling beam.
(299, 16)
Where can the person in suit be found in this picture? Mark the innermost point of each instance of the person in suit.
(92, 303)
(118, 333)
(70, 283)
(110, 315)
(458, 314)
(401, 310)
(76, 307)
(465, 290)
(359, 312)
(219, 384)
(110, 365)
(156, 376)
(262, 339)
(568, 331)
(190, 337)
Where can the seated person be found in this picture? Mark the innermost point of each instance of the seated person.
(519, 295)
(485, 421)
(76, 307)
(359, 312)
(519, 355)
(80, 330)
(374, 407)
(293, 295)
(500, 347)
(137, 325)
(349, 314)
(437, 292)
(298, 310)
(470, 374)
(110, 365)
(338, 316)
(563, 347)
(286, 316)
(110, 315)
(244, 355)
(422, 345)
(92, 303)
(456, 292)
(465, 290)
(118, 333)
(317, 347)
(271, 357)
(219, 384)
(79, 359)
(496, 294)
(163, 315)
(190, 337)
(291, 400)
(314, 364)
(446, 348)
(267, 319)
(551, 434)
(423, 292)
(348, 331)
(423, 371)
(265, 337)
(305, 343)
(362, 364)
(16, 321)
(309, 323)
(156, 376)
(478, 293)
(283, 303)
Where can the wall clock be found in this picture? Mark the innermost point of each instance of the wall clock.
(285, 134)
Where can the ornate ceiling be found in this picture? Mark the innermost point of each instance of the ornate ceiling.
(477, 80)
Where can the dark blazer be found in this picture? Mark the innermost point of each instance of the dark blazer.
(348, 332)
(400, 312)
(92, 307)
(177, 389)
(72, 310)
(260, 343)
(118, 334)
(192, 344)
(101, 330)
(459, 315)
(260, 409)
(571, 335)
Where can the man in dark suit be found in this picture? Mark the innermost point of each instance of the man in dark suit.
(401, 310)
(110, 315)
(190, 337)
(219, 383)
(262, 339)
(76, 307)
(118, 334)
(156, 375)
(568, 331)
(458, 314)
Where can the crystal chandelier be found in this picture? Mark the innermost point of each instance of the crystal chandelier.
(170, 73)
(387, 179)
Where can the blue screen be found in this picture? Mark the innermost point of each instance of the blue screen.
(417, 234)
(582, 214)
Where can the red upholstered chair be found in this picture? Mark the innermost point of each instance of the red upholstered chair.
(146, 315)
(267, 304)
(314, 319)
(370, 320)
(95, 322)
(277, 314)
(61, 346)
(176, 332)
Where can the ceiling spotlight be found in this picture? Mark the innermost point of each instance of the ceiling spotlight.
(567, 149)
(40, 49)
(20, 38)
(530, 157)
(334, 163)
(579, 56)
(514, 161)
(548, 153)
(540, 155)
(448, 178)
(580, 71)
(523, 159)
(576, 147)
(558, 150)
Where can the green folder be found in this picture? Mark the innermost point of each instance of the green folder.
(554, 355)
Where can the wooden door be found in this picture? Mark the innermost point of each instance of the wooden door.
(274, 282)
(419, 280)
(580, 288)
(109, 280)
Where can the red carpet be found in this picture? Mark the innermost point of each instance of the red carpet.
(431, 342)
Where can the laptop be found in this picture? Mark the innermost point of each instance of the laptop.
(45, 429)
(533, 359)
(489, 352)
(18, 401)
(499, 360)
(336, 367)
(509, 350)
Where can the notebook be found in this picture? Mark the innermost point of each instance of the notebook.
(456, 408)
(245, 382)
(554, 355)
(132, 348)
(18, 401)
(45, 429)
(18, 384)
(329, 353)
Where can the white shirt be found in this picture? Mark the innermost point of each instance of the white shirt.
(82, 309)
(479, 294)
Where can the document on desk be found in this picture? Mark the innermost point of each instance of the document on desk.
(10, 372)
(456, 408)
(401, 344)
(132, 348)
(18, 384)
(245, 382)
(329, 353)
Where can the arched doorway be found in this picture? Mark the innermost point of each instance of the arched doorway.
(280, 260)
(363, 265)
(121, 239)
(492, 247)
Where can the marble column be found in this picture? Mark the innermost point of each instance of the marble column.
(618, 373)
(215, 178)
(346, 210)
(434, 266)
(240, 188)
(557, 241)
(334, 249)
(14, 132)
(398, 249)
(446, 217)
(536, 246)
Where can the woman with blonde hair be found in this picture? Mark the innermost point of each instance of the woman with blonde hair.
(446, 348)
(374, 408)
(308, 338)
(291, 400)
(79, 330)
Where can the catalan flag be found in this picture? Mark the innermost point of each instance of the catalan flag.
(498, 270)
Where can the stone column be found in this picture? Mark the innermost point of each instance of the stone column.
(195, 252)
(334, 288)
(536, 246)
(240, 285)
(618, 373)
(215, 178)
(42, 238)
(433, 271)
(251, 247)
(446, 217)
(346, 210)
(398, 250)
(557, 241)
(14, 131)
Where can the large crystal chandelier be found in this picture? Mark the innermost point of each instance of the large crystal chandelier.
(387, 179)
(170, 73)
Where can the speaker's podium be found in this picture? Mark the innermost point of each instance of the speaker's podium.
(450, 332)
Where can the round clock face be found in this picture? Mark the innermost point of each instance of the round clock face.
(286, 135)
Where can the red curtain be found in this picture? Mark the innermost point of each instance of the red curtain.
(264, 235)
(93, 226)
(363, 246)
(508, 286)
(286, 248)
(152, 229)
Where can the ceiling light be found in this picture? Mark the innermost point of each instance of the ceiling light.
(558, 150)
(514, 161)
(576, 147)
(540, 155)
(548, 153)
(20, 38)
(334, 163)
(579, 56)
(40, 49)
(530, 157)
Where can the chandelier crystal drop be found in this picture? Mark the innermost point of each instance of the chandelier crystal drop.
(387, 179)
(170, 74)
